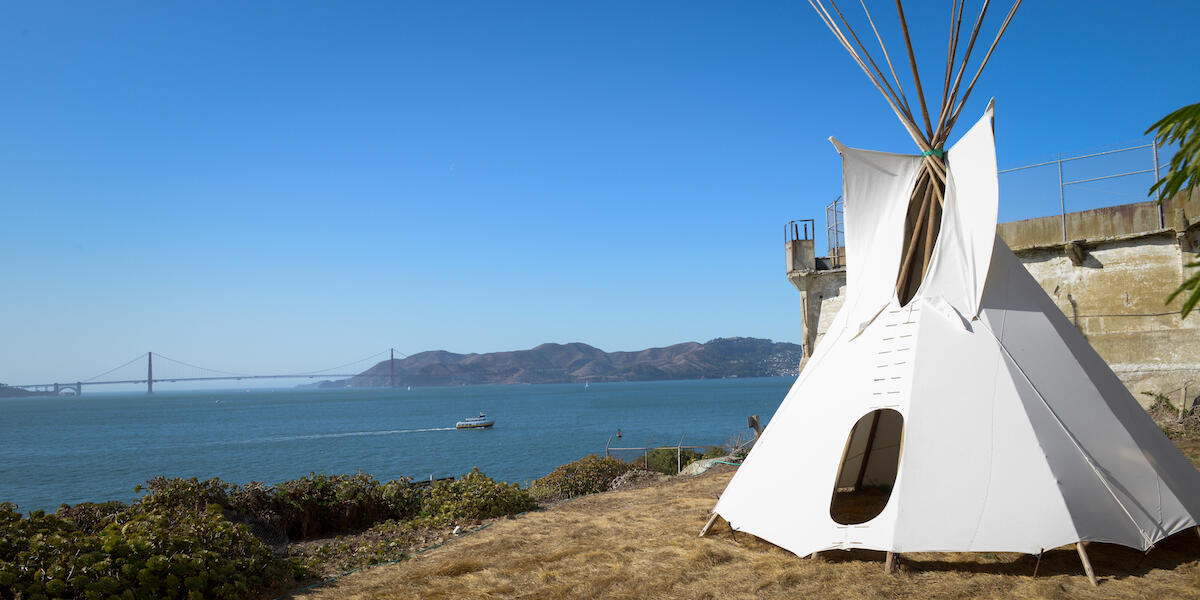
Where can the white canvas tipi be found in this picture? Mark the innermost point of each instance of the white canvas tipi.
(950, 390)
(1002, 428)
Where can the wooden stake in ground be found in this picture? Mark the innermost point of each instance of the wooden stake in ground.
(1087, 564)
(708, 525)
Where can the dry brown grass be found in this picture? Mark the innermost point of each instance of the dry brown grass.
(642, 544)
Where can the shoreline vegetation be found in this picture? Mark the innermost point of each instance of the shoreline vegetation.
(187, 538)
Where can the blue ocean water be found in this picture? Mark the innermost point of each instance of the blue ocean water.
(100, 446)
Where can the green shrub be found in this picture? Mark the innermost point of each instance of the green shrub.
(402, 499)
(311, 506)
(158, 553)
(587, 475)
(715, 452)
(255, 499)
(187, 538)
(185, 494)
(384, 542)
(322, 504)
(667, 460)
(90, 517)
(473, 497)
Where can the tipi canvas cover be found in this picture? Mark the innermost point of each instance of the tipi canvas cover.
(1016, 435)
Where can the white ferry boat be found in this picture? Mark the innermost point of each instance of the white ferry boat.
(475, 422)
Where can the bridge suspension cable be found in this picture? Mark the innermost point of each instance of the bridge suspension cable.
(131, 361)
(357, 361)
(186, 364)
(149, 378)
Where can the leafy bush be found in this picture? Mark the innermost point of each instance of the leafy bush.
(322, 504)
(311, 506)
(90, 517)
(402, 498)
(187, 538)
(255, 499)
(667, 460)
(715, 452)
(157, 553)
(473, 497)
(384, 542)
(184, 494)
(587, 475)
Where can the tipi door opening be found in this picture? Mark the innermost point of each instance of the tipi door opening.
(870, 463)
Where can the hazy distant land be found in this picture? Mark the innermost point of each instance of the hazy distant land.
(579, 363)
(12, 392)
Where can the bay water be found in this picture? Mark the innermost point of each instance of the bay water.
(98, 447)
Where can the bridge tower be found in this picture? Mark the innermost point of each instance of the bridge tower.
(149, 372)
(392, 367)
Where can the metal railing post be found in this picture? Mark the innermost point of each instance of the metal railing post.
(1062, 198)
(1157, 191)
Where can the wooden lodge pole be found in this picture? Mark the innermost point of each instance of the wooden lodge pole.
(931, 227)
(889, 563)
(862, 466)
(914, 238)
(708, 525)
(1087, 564)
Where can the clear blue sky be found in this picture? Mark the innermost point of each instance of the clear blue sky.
(277, 187)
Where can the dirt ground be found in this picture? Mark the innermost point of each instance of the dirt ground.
(642, 544)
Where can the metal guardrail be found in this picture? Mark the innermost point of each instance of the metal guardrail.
(678, 448)
(799, 229)
(1062, 184)
(835, 233)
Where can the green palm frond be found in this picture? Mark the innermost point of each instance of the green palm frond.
(1183, 175)
(1183, 172)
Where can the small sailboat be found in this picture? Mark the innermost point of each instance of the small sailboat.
(479, 422)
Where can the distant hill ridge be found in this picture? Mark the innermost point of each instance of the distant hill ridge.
(578, 363)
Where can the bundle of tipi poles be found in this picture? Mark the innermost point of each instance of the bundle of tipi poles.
(929, 192)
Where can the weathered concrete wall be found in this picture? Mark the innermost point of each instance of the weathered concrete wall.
(1111, 284)
(822, 294)
(1107, 222)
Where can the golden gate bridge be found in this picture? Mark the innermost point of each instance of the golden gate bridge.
(204, 374)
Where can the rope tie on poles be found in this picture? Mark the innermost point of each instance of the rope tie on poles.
(938, 152)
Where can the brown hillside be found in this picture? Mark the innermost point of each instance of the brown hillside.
(578, 362)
